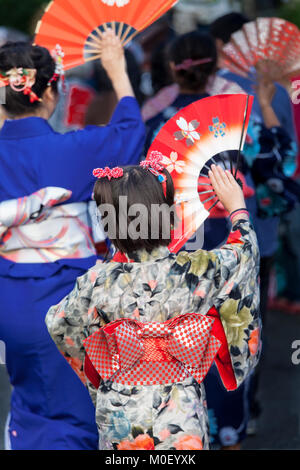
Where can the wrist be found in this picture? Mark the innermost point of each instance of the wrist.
(123, 87)
(237, 214)
(236, 207)
(265, 105)
(117, 75)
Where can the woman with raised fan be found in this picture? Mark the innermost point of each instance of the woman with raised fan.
(45, 235)
(144, 328)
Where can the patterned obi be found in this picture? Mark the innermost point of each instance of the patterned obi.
(129, 352)
(41, 229)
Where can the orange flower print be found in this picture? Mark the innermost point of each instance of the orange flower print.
(164, 434)
(254, 342)
(152, 284)
(187, 442)
(69, 341)
(141, 442)
(61, 314)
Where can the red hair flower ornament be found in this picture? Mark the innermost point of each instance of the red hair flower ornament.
(153, 164)
(110, 173)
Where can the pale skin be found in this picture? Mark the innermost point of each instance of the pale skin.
(113, 61)
(268, 72)
(265, 90)
(228, 191)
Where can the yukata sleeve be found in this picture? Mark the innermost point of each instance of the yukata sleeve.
(67, 324)
(120, 143)
(225, 286)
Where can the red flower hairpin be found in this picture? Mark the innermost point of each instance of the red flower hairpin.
(108, 173)
(153, 164)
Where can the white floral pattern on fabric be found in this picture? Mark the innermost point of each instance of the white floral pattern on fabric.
(173, 163)
(188, 131)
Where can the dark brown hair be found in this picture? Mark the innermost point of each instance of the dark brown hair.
(139, 186)
(25, 55)
(194, 46)
(223, 27)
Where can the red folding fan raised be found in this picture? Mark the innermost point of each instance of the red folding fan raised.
(272, 43)
(190, 142)
(77, 24)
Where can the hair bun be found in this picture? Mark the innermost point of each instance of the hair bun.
(25, 55)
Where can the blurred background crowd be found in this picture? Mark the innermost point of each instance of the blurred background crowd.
(265, 413)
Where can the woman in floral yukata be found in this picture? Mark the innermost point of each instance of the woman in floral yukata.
(143, 329)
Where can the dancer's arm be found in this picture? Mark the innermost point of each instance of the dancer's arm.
(114, 62)
(265, 93)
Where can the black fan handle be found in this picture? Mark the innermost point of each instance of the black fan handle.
(240, 183)
(242, 139)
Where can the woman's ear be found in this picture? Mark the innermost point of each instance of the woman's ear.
(50, 96)
(172, 66)
(50, 100)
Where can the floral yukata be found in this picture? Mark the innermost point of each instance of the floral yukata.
(132, 295)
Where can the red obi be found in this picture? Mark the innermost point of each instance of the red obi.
(134, 353)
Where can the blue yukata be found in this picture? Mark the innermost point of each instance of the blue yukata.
(45, 244)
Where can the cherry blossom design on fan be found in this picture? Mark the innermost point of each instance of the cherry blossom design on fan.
(218, 128)
(173, 164)
(189, 147)
(118, 3)
(188, 131)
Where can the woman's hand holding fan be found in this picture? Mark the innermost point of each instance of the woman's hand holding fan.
(269, 45)
(112, 54)
(265, 90)
(227, 189)
(114, 62)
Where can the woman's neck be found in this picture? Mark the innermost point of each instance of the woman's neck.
(40, 113)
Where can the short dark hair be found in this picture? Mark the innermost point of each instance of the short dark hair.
(140, 186)
(161, 74)
(195, 45)
(24, 54)
(225, 26)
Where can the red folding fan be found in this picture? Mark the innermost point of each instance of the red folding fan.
(190, 143)
(77, 24)
(272, 42)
